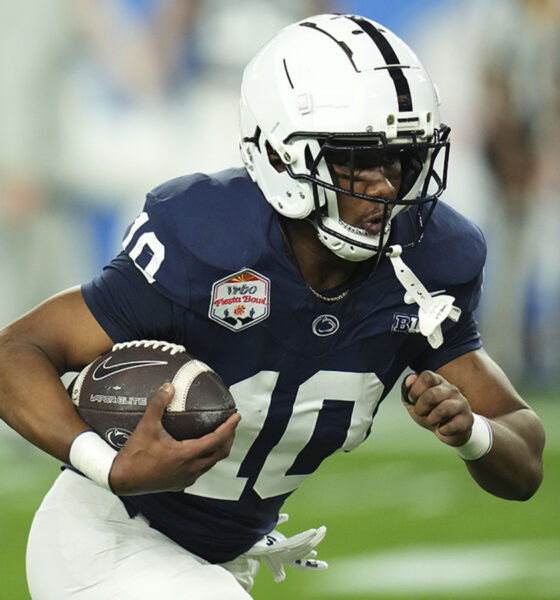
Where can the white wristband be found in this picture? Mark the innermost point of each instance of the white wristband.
(93, 457)
(479, 443)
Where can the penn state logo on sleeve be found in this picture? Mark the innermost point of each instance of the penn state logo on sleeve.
(240, 300)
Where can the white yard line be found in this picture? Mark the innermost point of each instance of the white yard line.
(446, 571)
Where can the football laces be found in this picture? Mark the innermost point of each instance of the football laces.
(156, 344)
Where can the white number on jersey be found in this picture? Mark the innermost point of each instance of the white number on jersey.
(253, 397)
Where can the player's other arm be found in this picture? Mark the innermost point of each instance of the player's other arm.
(444, 402)
(62, 335)
(58, 336)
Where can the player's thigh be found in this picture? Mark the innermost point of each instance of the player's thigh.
(84, 546)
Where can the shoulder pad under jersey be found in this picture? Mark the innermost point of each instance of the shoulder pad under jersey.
(452, 251)
(193, 222)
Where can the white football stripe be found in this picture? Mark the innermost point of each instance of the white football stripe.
(183, 380)
(77, 387)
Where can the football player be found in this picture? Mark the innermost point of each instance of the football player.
(311, 280)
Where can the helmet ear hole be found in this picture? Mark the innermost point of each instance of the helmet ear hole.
(412, 165)
(274, 159)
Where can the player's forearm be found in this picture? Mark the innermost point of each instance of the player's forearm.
(513, 468)
(33, 400)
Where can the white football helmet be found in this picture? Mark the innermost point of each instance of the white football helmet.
(340, 84)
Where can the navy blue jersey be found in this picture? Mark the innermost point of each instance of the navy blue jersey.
(205, 266)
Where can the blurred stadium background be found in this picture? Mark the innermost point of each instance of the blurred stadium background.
(100, 100)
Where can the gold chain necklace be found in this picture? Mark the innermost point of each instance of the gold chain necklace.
(326, 298)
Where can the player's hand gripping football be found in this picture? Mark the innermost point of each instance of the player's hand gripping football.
(439, 406)
(152, 461)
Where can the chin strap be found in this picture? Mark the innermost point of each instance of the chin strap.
(433, 310)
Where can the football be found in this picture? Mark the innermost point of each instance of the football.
(112, 392)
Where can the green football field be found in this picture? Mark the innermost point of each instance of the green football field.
(404, 521)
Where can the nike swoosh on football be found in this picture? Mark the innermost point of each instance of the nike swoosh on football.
(105, 370)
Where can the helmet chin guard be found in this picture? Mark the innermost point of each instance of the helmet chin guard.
(337, 88)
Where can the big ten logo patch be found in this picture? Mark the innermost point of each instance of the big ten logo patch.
(403, 323)
(240, 300)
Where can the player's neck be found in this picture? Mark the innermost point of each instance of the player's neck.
(321, 269)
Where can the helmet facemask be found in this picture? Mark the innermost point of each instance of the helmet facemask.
(420, 184)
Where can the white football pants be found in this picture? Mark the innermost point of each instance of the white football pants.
(84, 546)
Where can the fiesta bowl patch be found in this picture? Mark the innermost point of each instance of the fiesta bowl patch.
(240, 300)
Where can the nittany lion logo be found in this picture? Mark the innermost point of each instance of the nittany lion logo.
(325, 325)
(117, 436)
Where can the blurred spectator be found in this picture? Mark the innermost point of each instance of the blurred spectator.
(130, 62)
(136, 47)
(521, 126)
(150, 97)
(38, 249)
(403, 17)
